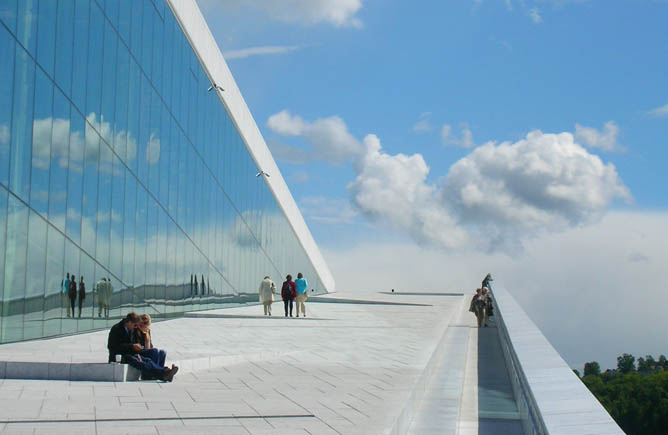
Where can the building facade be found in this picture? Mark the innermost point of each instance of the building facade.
(120, 160)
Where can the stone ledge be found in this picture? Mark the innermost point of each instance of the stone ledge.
(103, 372)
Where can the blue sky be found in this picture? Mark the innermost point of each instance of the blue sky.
(320, 76)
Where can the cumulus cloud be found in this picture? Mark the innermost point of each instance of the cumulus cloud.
(328, 138)
(544, 182)
(258, 51)
(340, 13)
(465, 139)
(393, 188)
(605, 139)
(659, 111)
(496, 197)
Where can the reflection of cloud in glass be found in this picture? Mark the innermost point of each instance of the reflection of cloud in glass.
(153, 149)
(4, 134)
(73, 145)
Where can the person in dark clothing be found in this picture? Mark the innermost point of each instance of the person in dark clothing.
(486, 281)
(81, 294)
(288, 293)
(121, 342)
(72, 294)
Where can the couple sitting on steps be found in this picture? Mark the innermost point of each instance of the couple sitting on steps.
(131, 340)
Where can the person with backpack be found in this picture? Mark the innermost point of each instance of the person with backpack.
(288, 293)
(301, 296)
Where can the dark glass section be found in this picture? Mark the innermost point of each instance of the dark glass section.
(118, 166)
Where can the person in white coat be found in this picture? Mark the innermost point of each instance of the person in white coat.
(266, 292)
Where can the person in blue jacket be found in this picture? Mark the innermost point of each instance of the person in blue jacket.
(301, 285)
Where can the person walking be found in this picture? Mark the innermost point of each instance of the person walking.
(72, 294)
(266, 292)
(65, 289)
(478, 306)
(81, 293)
(301, 285)
(489, 309)
(288, 292)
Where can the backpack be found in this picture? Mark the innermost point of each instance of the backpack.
(286, 291)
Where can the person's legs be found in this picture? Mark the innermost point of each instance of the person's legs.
(265, 308)
(269, 308)
(80, 305)
(484, 316)
(297, 304)
(99, 310)
(285, 305)
(290, 307)
(162, 356)
(147, 367)
(72, 303)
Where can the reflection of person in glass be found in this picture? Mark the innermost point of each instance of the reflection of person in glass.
(301, 284)
(267, 291)
(143, 336)
(103, 290)
(288, 291)
(72, 294)
(64, 290)
(82, 294)
(122, 342)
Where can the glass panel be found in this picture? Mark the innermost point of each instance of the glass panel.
(55, 299)
(93, 90)
(46, 35)
(8, 13)
(64, 39)
(103, 214)
(26, 29)
(3, 231)
(15, 270)
(90, 187)
(21, 134)
(7, 45)
(35, 284)
(85, 295)
(60, 154)
(74, 182)
(121, 91)
(117, 213)
(41, 143)
(81, 75)
(71, 260)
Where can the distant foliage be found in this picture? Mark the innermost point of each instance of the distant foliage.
(636, 399)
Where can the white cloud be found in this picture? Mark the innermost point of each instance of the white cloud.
(423, 125)
(659, 111)
(605, 140)
(259, 51)
(340, 13)
(572, 271)
(497, 196)
(327, 210)
(545, 182)
(534, 14)
(328, 138)
(300, 177)
(465, 140)
(393, 189)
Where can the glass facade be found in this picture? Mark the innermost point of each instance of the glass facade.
(117, 163)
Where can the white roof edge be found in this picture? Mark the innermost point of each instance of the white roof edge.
(201, 39)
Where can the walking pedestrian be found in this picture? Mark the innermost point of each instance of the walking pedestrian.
(266, 292)
(301, 285)
(72, 294)
(288, 292)
(81, 294)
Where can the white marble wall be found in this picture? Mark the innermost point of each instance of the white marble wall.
(551, 398)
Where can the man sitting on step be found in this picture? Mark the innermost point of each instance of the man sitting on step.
(121, 342)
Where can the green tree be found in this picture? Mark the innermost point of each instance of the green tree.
(626, 363)
(577, 372)
(662, 362)
(592, 368)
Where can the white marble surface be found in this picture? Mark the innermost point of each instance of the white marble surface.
(564, 403)
(346, 368)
